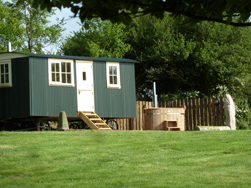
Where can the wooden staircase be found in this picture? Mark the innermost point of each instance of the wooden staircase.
(172, 125)
(94, 121)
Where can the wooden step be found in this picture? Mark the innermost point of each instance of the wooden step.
(87, 121)
(105, 129)
(169, 123)
(96, 119)
(93, 121)
(173, 128)
(101, 124)
(91, 115)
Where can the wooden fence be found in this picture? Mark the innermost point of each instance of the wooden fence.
(202, 111)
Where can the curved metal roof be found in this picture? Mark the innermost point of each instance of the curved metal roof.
(74, 57)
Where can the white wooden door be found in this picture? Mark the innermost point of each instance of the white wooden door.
(85, 91)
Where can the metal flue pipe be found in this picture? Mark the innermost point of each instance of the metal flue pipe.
(9, 46)
(155, 97)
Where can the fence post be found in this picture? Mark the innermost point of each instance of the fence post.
(210, 110)
(201, 112)
(217, 114)
(186, 116)
(190, 114)
(198, 111)
(206, 111)
(194, 113)
(213, 111)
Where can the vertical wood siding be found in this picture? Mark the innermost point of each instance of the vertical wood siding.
(114, 103)
(49, 100)
(14, 101)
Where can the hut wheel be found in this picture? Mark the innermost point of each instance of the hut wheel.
(112, 123)
(44, 125)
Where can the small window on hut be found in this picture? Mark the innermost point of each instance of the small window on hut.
(61, 72)
(5, 73)
(84, 76)
(113, 75)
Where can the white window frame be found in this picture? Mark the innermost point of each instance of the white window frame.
(109, 85)
(59, 83)
(6, 62)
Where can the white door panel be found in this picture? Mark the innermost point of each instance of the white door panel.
(84, 70)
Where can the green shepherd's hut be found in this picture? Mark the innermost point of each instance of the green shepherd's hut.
(35, 87)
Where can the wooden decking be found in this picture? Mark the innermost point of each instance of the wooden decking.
(94, 121)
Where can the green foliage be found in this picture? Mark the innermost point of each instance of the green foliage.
(102, 39)
(181, 96)
(11, 27)
(209, 59)
(243, 112)
(186, 59)
(163, 53)
(125, 159)
(120, 11)
(243, 125)
(28, 28)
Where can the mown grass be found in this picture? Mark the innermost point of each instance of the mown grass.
(125, 159)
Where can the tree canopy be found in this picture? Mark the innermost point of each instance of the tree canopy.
(229, 12)
(207, 58)
(11, 27)
(27, 28)
(38, 34)
(102, 39)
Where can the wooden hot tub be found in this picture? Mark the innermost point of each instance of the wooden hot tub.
(168, 119)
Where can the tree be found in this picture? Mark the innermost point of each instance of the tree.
(186, 59)
(11, 27)
(222, 11)
(102, 39)
(209, 59)
(38, 34)
(27, 27)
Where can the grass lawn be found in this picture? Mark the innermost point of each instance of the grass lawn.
(125, 159)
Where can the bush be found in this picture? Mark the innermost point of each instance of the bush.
(242, 125)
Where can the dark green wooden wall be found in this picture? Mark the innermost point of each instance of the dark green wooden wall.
(49, 100)
(31, 95)
(14, 101)
(115, 103)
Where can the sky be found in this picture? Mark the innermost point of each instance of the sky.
(71, 24)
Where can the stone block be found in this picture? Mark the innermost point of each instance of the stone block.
(230, 112)
(62, 121)
(211, 128)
